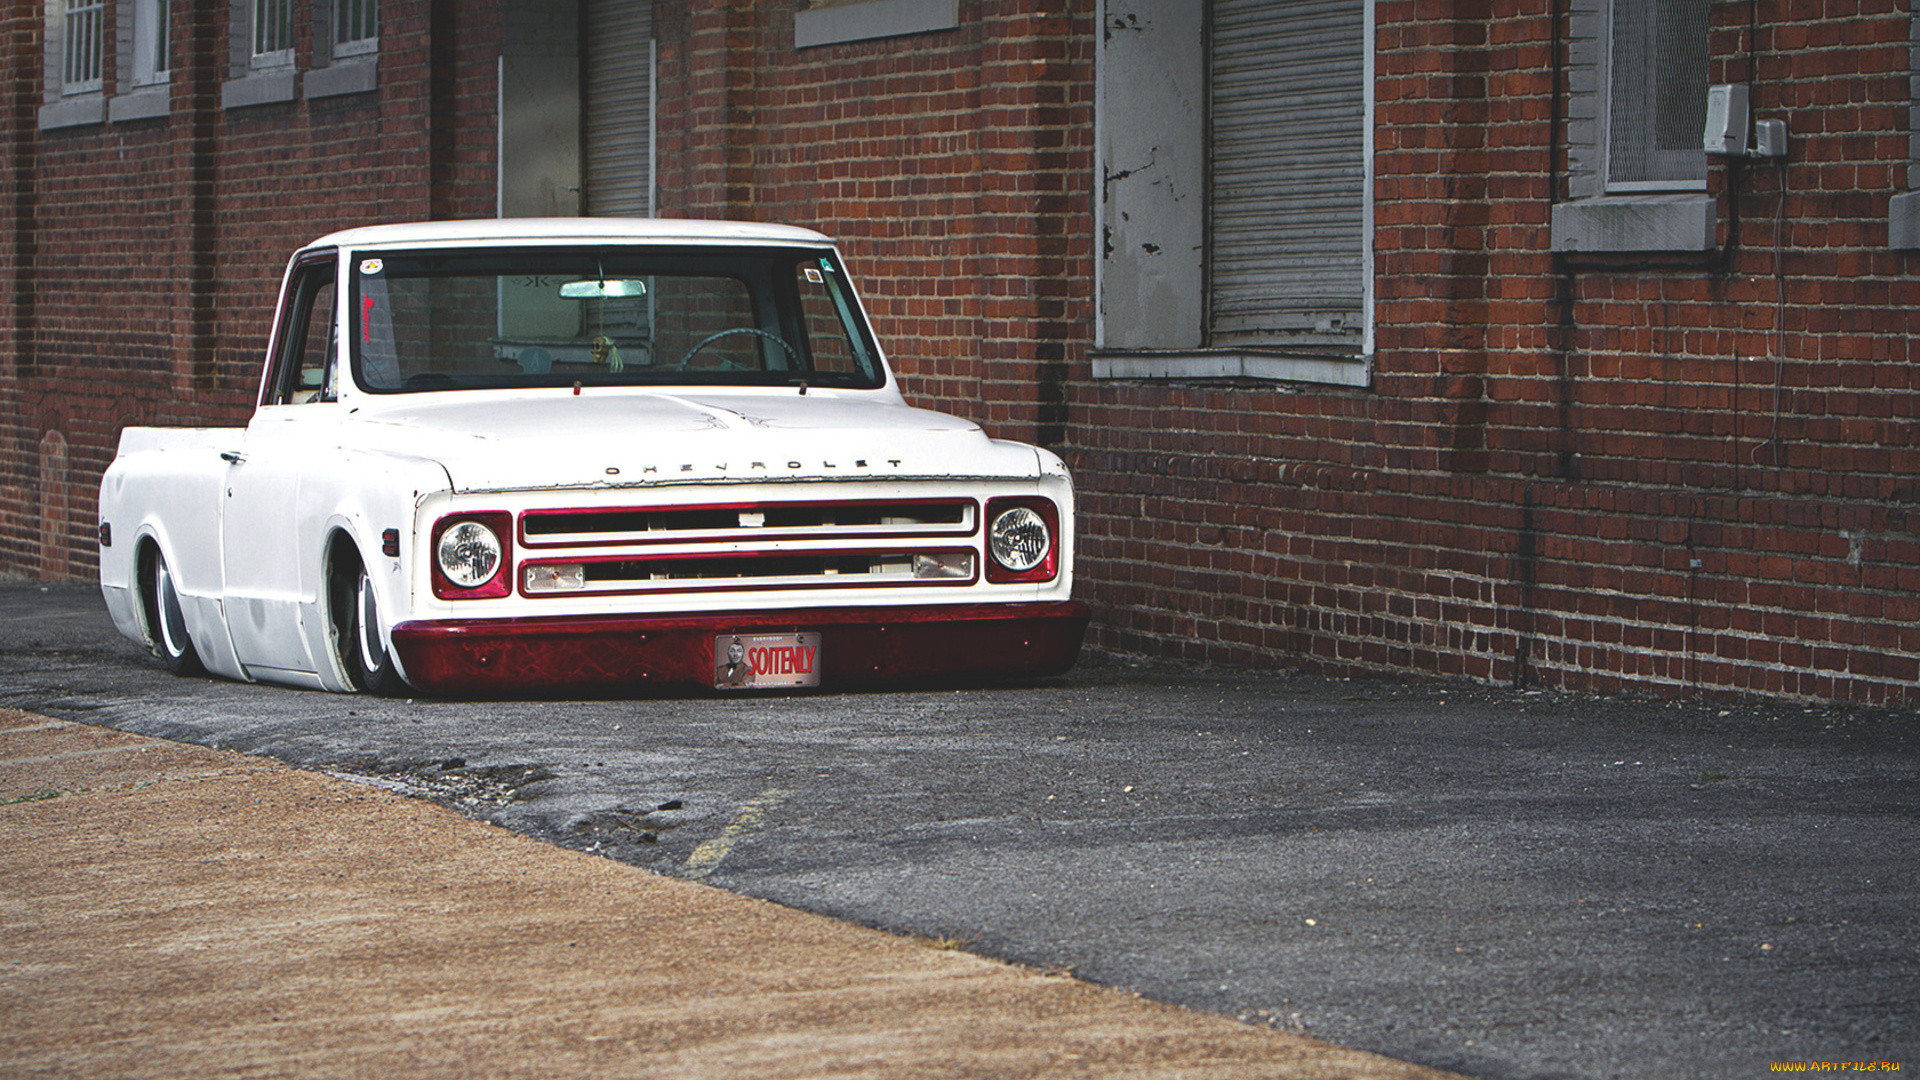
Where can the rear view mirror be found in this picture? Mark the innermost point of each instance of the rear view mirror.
(603, 290)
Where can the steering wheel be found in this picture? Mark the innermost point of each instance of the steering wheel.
(792, 356)
(430, 380)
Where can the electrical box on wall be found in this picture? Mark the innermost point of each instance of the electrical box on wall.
(1726, 133)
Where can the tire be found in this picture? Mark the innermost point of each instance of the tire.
(356, 620)
(167, 620)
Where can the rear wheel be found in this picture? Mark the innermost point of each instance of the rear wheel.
(167, 620)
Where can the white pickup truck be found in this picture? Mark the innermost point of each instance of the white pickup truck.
(517, 455)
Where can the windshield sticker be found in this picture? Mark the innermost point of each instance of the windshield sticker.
(814, 276)
(370, 266)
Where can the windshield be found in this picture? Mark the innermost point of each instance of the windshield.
(449, 320)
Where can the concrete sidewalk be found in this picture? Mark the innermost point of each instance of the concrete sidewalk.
(169, 910)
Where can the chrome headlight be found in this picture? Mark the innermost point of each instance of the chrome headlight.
(468, 553)
(1019, 539)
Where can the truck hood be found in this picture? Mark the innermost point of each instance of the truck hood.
(610, 439)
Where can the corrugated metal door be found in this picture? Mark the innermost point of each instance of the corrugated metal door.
(1288, 176)
(619, 108)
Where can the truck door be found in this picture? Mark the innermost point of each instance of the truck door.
(271, 543)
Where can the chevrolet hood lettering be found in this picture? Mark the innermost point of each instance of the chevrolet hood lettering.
(638, 439)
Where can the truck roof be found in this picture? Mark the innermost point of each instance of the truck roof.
(567, 229)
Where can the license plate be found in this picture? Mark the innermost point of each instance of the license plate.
(759, 660)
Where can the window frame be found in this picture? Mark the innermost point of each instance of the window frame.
(1156, 240)
(151, 41)
(313, 274)
(366, 12)
(281, 55)
(1591, 216)
(1641, 83)
(94, 13)
(65, 104)
(343, 67)
(256, 79)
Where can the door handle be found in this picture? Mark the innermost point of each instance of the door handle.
(233, 456)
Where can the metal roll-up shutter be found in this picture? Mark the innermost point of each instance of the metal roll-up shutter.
(619, 108)
(1288, 175)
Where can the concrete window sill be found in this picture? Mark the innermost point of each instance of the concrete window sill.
(269, 87)
(360, 75)
(868, 19)
(76, 111)
(1352, 370)
(146, 103)
(1627, 223)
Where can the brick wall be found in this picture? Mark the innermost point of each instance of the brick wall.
(143, 257)
(1611, 475)
(1667, 475)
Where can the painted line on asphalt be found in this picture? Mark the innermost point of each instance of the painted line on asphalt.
(708, 856)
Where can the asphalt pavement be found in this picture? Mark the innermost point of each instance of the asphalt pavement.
(1498, 882)
(169, 910)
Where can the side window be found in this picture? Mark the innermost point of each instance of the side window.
(307, 366)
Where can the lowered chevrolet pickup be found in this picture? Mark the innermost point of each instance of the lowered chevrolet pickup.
(536, 455)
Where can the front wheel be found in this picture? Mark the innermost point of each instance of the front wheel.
(167, 621)
(357, 631)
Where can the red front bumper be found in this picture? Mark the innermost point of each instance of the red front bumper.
(858, 646)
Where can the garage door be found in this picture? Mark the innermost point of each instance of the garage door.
(618, 85)
(1287, 207)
